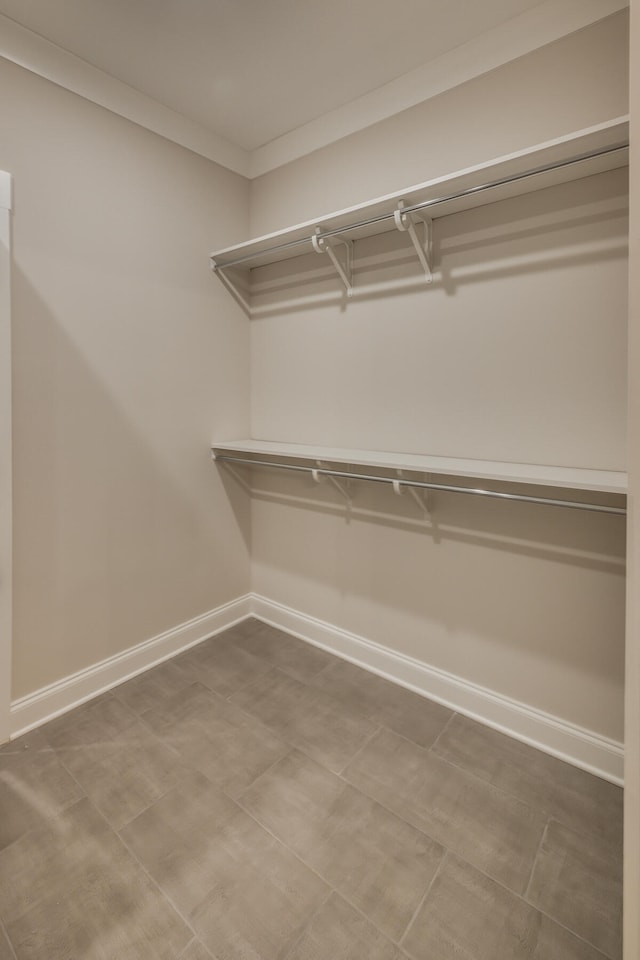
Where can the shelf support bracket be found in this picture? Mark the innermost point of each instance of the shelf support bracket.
(422, 499)
(325, 245)
(407, 222)
(344, 489)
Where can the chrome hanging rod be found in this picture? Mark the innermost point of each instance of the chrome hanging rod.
(424, 485)
(423, 205)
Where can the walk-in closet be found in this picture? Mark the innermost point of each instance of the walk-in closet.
(319, 455)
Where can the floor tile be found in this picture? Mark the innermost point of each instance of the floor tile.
(214, 736)
(381, 864)
(34, 786)
(318, 865)
(246, 894)
(153, 687)
(101, 720)
(467, 916)
(122, 779)
(175, 838)
(222, 665)
(578, 882)
(564, 792)
(298, 659)
(489, 828)
(310, 719)
(52, 858)
(107, 916)
(71, 889)
(262, 899)
(386, 703)
(338, 932)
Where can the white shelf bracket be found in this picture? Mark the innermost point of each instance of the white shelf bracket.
(327, 245)
(421, 498)
(343, 488)
(407, 223)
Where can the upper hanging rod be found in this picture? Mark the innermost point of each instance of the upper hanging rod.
(423, 484)
(424, 204)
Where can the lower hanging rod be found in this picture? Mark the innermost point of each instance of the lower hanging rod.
(423, 484)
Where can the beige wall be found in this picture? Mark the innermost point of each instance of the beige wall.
(517, 352)
(632, 718)
(128, 356)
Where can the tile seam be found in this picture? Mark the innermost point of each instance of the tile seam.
(3, 932)
(423, 899)
(442, 732)
(305, 926)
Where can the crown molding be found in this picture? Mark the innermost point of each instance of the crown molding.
(542, 25)
(31, 51)
(545, 23)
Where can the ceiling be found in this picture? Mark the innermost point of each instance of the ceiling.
(254, 83)
(252, 70)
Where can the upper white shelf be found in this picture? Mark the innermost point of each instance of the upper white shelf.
(576, 155)
(571, 478)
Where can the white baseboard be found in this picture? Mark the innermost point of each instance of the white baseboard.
(576, 745)
(57, 698)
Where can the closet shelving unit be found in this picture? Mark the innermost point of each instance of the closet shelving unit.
(581, 154)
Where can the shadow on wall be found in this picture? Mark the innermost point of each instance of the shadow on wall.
(122, 526)
(528, 235)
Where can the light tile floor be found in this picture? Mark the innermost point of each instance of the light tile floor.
(258, 799)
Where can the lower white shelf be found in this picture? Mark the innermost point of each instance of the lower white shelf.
(568, 478)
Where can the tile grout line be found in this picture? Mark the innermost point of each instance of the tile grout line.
(468, 773)
(3, 932)
(117, 836)
(423, 899)
(155, 800)
(198, 943)
(133, 856)
(284, 844)
(360, 749)
(306, 925)
(267, 770)
(535, 861)
(444, 729)
(279, 736)
(163, 894)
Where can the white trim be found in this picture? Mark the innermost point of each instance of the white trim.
(574, 744)
(49, 702)
(517, 37)
(543, 24)
(5, 457)
(33, 52)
